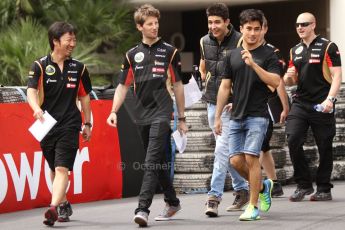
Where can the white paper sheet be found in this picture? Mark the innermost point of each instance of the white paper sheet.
(39, 130)
(180, 141)
(192, 93)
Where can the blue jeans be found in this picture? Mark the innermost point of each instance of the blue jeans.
(247, 135)
(221, 163)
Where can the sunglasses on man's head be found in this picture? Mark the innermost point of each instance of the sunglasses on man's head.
(303, 24)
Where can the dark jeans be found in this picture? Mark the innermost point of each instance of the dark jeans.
(322, 125)
(156, 168)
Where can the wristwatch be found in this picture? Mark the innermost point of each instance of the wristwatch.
(88, 124)
(332, 99)
(182, 118)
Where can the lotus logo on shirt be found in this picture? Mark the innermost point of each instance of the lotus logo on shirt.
(50, 70)
(139, 57)
(299, 50)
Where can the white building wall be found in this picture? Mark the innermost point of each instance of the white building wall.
(337, 31)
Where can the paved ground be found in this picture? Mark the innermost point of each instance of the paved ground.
(118, 214)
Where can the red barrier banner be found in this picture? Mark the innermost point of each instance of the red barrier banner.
(24, 174)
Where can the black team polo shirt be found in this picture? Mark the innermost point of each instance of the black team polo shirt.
(152, 70)
(312, 65)
(58, 92)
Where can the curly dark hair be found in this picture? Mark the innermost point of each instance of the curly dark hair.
(218, 9)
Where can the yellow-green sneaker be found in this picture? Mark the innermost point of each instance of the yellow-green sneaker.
(251, 213)
(266, 196)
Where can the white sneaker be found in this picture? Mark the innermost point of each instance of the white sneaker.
(141, 218)
(168, 212)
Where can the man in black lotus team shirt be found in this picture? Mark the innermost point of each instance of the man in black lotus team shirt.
(249, 69)
(151, 66)
(315, 67)
(55, 83)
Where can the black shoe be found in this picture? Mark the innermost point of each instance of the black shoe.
(64, 212)
(300, 193)
(321, 196)
(277, 190)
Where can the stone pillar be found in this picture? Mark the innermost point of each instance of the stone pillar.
(337, 32)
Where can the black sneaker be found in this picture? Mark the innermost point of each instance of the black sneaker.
(64, 212)
(321, 196)
(277, 190)
(300, 193)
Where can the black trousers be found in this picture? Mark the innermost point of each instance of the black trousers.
(300, 118)
(156, 168)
